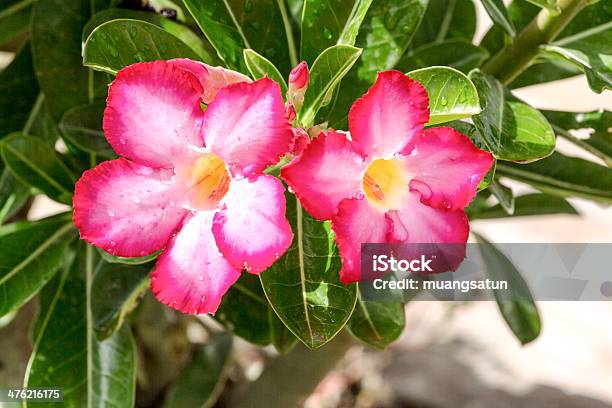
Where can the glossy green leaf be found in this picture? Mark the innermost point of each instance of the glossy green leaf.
(31, 254)
(118, 290)
(325, 74)
(591, 51)
(446, 19)
(526, 205)
(303, 286)
(452, 95)
(32, 162)
(504, 196)
(13, 195)
(517, 307)
(326, 23)
(82, 126)
(233, 25)
(119, 43)
(196, 42)
(377, 323)
(564, 176)
(498, 13)
(66, 353)
(59, 69)
(202, 381)
(596, 124)
(112, 259)
(459, 54)
(260, 67)
(512, 130)
(283, 340)
(14, 18)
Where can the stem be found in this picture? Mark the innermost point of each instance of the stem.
(544, 28)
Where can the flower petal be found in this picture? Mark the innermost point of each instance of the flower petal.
(191, 275)
(211, 78)
(126, 209)
(252, 231)
(153, 113)
(446, 168)
(328, 171)
(247, 127)
(357, 223)
(389, 116)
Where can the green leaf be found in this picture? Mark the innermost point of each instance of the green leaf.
(459, 54)
(303, 286)
(127, 261)
(118, 291)
(504, 196)
(326, 23)
(31, 254)
(452, 95)
(446, 19)
(564, 176)
(512, 130)
(377, 324)
(517, 307)
(283, 340)
(591, 51)
(196, 42)
(526, 205)
(596, 123)
(13, 195)
(119, 43)
(325, 74)
(260, 67)
(61, 76)
(82, 126)
(232, 25)
(546, 4)
(498, 13)
(14, 18)
(66, 353)
(18, 92)
(33, 163)
(202, 381)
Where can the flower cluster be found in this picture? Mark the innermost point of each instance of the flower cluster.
(195, 140)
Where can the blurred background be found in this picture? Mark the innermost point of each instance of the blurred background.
(462, 354)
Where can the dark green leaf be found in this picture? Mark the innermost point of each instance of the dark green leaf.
(118, 290)
(233, 25)
(33, 163)
(452, 95)
(512, 130)
(13, 195)
(564, 176)
(61, 76)
(517, 307)
(119, 43)
(127, 261)
(376, 323)
(201, 383)
(326, 23)
(31, 253)
(458, 54)
(303, 286)
(82, 126)
(498, 13)
(282, 338)
(14, 18)
(325, 74)
(526, 205)
(66, 353)
(446, 19)
(260, 67)
(504, 196)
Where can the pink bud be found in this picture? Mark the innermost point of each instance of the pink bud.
(290, 112)
(299, 77)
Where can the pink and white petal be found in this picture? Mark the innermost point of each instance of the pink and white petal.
(211, 78)
(327, 172)
(246, 126)
(389, 116)
(153, 114)
(446, 168)
(191, 275)
(252, 231)
(357, 223)
(126, 209)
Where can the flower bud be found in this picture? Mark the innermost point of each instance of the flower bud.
(290, 112)
(299, 77)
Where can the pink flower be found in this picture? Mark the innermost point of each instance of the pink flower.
(391, 181)
(190, 181)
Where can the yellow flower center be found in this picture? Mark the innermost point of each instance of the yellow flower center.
(385, 184)
(209, 181)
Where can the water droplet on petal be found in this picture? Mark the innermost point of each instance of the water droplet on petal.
(111, 213)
